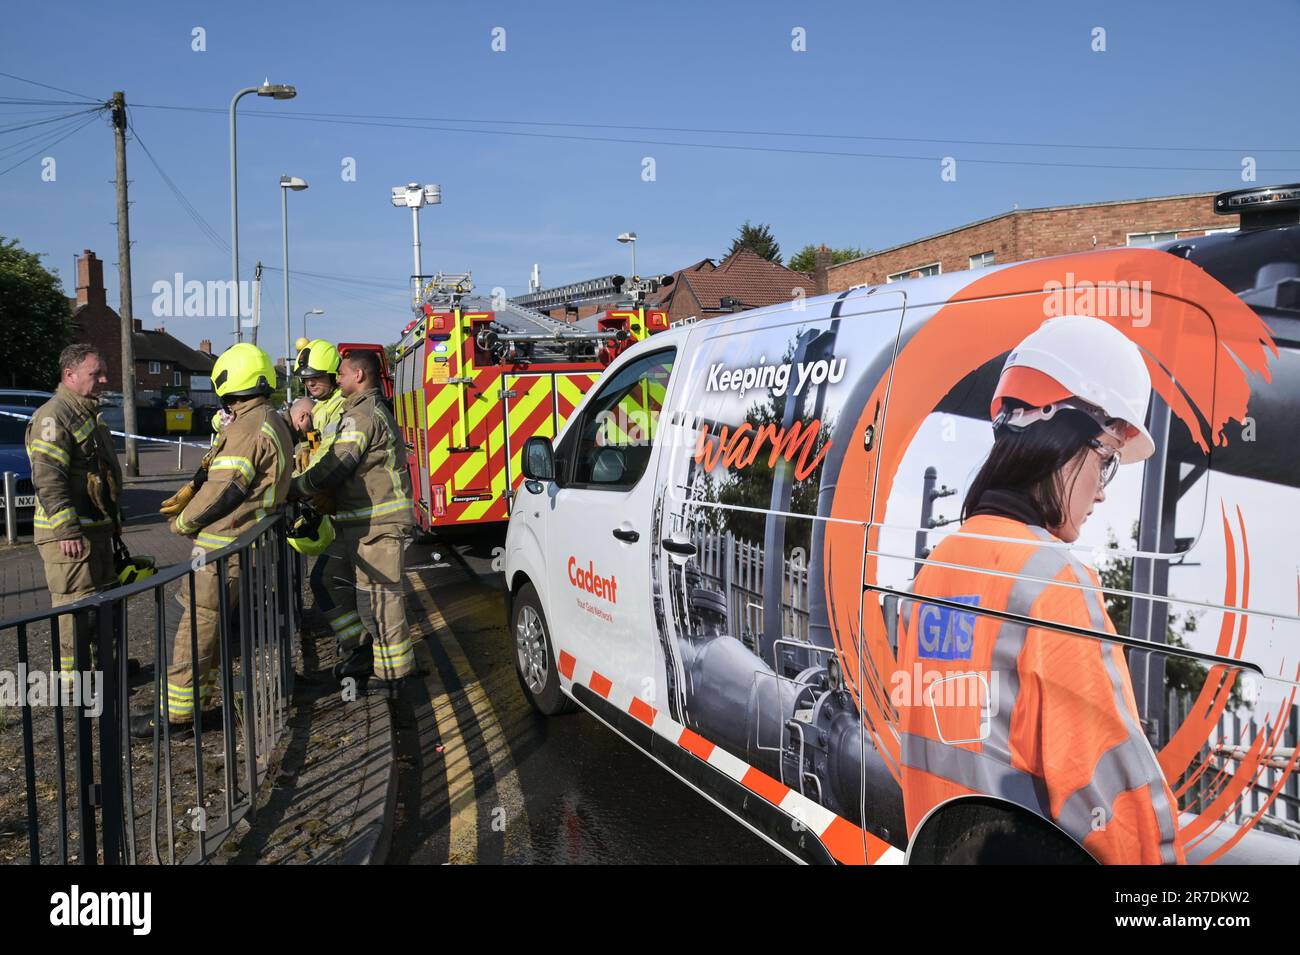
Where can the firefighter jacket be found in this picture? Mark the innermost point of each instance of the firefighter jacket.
(364, 467)
(77, 479)
(248, 477)
(326, 416)
(1030, 714)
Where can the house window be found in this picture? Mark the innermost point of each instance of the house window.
(176, 379)
(981, 261)
(155, 368)
(1150, 238)
(919, 272)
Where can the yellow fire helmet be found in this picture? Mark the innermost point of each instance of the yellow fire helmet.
(318, 358)
(243, 370)
(130, 569)
(135, 570)
(311, 534)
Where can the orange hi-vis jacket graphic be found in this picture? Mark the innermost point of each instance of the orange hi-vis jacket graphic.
(1036, 716)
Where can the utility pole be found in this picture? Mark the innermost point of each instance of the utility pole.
(124, 282)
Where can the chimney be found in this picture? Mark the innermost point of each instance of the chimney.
(90, 281)
(205, 346)
(137, 325)
(823, 259)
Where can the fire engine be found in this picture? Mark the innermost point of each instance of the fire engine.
(475, 378)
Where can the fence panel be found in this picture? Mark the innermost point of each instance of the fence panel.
(101, 797)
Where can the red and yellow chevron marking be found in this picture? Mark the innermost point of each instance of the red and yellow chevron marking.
(474, 414)
(531, 412)
(569, 389)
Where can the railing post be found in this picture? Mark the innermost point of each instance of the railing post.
(247, 666)
(111, 665)
(11, 507)
(86, 788)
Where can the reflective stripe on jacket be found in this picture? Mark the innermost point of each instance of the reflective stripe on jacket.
(326, 416)
(66, 442)
(1042, 718)
(248, 477)
(364, 467)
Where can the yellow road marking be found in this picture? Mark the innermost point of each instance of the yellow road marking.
(510, 808)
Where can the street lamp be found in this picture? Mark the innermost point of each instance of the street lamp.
(275, 91)
(297, 185)
(315, 311)
(629, 238)
(413, 196)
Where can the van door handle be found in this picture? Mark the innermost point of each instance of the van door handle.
(627, 535)
(680, 548)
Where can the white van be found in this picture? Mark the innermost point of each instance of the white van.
(732, 557)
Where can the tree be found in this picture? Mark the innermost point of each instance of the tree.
(757, 239)
(1183, 674)
(35, 316)
(804, 260)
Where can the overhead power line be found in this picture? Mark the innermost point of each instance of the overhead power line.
(46, 86)
(416, 122)
(48, 146)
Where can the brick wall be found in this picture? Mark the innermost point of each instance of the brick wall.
(1032, 234)
(684, 305)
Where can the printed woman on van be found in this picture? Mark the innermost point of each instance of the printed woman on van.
(1051, 723)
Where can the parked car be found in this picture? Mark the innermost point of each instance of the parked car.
(13, 457)
(23, 398)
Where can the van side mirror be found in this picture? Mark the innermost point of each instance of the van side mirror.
(539, 459)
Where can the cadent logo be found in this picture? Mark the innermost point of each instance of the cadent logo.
(588, 580)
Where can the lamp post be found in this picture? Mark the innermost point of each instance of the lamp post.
(413, 196)
(275, 91)
(297, 185)
(629, 238)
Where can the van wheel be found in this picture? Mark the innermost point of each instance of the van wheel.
(535, 662)
(981, 832)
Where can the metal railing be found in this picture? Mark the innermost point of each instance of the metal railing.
(1230, 748)
(99, 797)
(735, 567)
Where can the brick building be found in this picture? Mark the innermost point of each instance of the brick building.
(741, 280)
(162, 361)
(1035, 233)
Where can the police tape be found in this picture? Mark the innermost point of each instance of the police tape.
(123, 434)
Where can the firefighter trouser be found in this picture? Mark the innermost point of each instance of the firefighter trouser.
(206, 614)
(375, 558)
(73, 578)
(331, 574)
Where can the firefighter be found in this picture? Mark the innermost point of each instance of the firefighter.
(78, 484)
(1058, 730)
(318, 367)
(246, 479)
(363, 470)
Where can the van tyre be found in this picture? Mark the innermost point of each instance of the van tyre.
(535, 662)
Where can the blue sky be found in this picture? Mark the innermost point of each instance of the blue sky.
(1212, 76)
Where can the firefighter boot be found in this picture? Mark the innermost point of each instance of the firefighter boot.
(357, 665)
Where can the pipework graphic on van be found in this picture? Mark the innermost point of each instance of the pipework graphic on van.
(818, 527)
